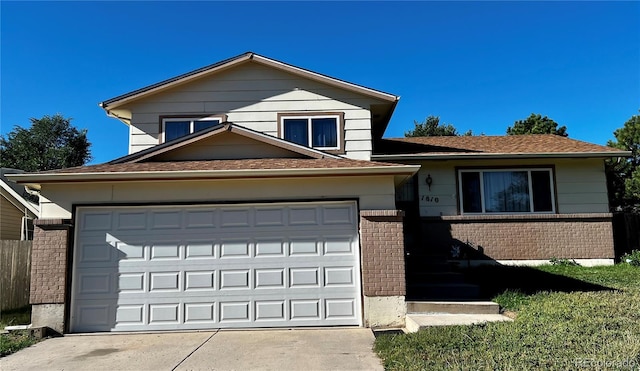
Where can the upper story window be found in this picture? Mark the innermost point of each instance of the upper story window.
(176, 127)
(506, 191)
(320, 131)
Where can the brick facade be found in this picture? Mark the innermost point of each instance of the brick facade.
(523, 237)
(382, 243)
(49, 261)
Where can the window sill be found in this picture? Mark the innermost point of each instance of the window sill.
(514, 217)
(333, 151)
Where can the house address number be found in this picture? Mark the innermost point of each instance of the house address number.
(426, 198)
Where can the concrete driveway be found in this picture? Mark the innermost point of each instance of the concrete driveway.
(309, 349)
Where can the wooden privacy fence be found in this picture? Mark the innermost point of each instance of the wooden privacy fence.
(15, 273)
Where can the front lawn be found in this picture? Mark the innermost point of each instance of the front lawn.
(567, 317)
(16, 340)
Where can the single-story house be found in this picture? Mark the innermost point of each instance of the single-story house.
(516, 199)
(260, 194)
(17, 211)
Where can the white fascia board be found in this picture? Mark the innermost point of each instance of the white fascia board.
(499, 156)
(34, 180)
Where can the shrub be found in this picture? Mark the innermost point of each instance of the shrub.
(632, 258)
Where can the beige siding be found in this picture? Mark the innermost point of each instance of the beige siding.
(10, 220)
(582, 186)
(226, 146)
(373, 192)
(580, 183)
(252, 95)
(441, 198)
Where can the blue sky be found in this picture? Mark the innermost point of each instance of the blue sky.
(477, 65)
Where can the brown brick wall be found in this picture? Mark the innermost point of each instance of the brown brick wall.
(382, 243)
(529, 237)
(49, 261)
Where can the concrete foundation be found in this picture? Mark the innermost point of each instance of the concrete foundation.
(384, 311)
(48, 315)
(532, 263)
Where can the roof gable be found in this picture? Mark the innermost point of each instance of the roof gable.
(248, 57)
(223, 142)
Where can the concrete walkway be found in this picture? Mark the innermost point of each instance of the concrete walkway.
(309, 349)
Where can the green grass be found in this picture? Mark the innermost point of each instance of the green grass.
(16, 340)
(566, 318)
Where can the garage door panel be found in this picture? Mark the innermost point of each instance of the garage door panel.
(165, 314)
(95, 221)
(95, 252)
(164, 281)
(304, 216)
(270, 217)
(203, 267)
(231, 277)
(134, 283)
(340, 308)
(235, 279)
(130, 251)
(304, 277)
(170, 315)
(270, 310)
(304, 246)
(269, 248)
(130, 314)
(269, 278)
(95, 283)
(165, 250)
(199, 219)
(285, 234)
(164, 220)
(95, 316)
(235, 218)
(235, 249)
(200, 313)
(130, 221)
(339, 276)
(235, 311)
(199, 250)
(199, 280)
(337, 215)
(339, 245)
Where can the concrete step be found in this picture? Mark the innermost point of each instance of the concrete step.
(442, 291)
(452, 307)
(416, 322)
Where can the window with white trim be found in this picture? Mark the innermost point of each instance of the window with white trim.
(506, 191)
(173, 128)
(318, 131)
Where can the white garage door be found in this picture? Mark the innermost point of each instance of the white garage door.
(215, 266)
